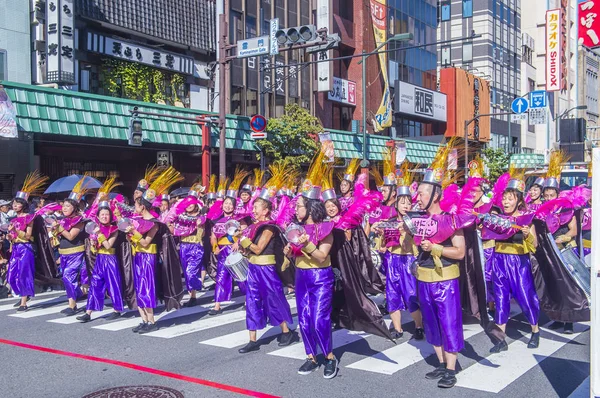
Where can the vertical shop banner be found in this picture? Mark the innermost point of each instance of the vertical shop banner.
(553, 50)
(589, 23)
(327, 147)
(383, 117)
(8, 114)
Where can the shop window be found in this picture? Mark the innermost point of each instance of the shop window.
(467, 8)
(467, 52)
(446, 56)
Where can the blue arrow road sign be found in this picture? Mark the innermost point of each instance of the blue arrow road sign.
(520, 105)
(537, 99)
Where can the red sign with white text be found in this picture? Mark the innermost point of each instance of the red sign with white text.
(589, 23)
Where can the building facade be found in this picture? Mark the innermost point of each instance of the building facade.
(495, 56)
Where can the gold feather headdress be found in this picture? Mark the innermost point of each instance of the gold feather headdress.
(351, 169)
(212, 188)
(517, 178)
(327, 185)
(222, 188)
(555, 166)
(435, 173)
(150, 175)
(162, 183)
(377, 176)
(404, 179)
(389, 168)
(81, 188)
(477, 167)
(311, 187)
(279, 175)
(33, 185)
(109, 184)
(239, 176)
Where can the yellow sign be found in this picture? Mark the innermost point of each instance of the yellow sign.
(383, 117)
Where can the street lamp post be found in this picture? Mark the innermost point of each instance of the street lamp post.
(363, 61)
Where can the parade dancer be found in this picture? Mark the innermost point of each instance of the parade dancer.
(265, 299)
(72, 246)
(144, 245)
(512, 276)
(106, 274)
(222, 240)
(347, 184)
(21, 266)
(401, 252)
(441, 246)
(314, 275)
(189, 227)
(534, 198)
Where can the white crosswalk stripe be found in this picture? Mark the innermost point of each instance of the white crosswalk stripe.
(34, 302)
(240, 338)
(37, 295)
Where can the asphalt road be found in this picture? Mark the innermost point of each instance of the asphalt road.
(198, 350)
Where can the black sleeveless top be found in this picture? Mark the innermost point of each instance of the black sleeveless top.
(425, 259)
(271, 248)
(516, 238)
(79, 240)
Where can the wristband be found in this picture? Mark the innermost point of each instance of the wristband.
(60, 230)
(437, 250)
(101, 238)
(309, 248)
(136, 237)
(245, 242)
(21, 234)
(565, 238)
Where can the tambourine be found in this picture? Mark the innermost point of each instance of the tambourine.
(90, 227)
(232, 226)
(293, 233)
(124, 223)
(4, 227)
(50, 220)
(409, 225)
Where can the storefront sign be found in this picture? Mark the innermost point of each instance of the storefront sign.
(8, 114)
(589, 23)
(343, 91)
(418, 101)
(135, 53)
(383, 117)
(163, 159)
(253, 47)
(60, 48)
(324, 71)
(553, 50)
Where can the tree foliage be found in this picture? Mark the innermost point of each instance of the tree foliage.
(497, 161)
(293, 136)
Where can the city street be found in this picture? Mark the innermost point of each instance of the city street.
(47, 354)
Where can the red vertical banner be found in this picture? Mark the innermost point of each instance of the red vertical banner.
(589, 23)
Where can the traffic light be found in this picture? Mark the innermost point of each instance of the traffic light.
(296, 35)
(135, 133)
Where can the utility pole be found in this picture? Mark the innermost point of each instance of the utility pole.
(224, 47)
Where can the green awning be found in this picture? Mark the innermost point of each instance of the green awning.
(527, 160)
(349, 145)
(51, 111)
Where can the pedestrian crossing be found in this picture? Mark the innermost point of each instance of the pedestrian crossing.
(490, 373)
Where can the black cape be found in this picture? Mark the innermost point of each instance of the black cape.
(354, 310)
(209, 260)
(560, 297)
(169, 284)
(472, 285)
(46, 272)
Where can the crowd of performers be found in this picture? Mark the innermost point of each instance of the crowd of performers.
(434, 249)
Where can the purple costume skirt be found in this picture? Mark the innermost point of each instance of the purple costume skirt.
(488, 255)
(106, 277)
(442, 314)
(73, 266)
(224, 280)
(511, 276)
(265, 298)
(191, 255)
(21, 269)
(314, 300)
(143, 279)
(400, 283)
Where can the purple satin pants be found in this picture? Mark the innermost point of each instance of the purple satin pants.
(511, 276)
(265, 298)
(488, 255)
(400, 283)
(191, 255)
(224, 280)
(442, 314)
(314, 300)
(106, 277)
(72, 268)
(21, 270)
(144, 279)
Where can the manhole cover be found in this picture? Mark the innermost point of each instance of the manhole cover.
(136, 392)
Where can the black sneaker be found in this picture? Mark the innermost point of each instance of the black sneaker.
(331, 368)
(308, 367)
(448, 380)
(556, 325)
(286, 339)
(192, 302)
(215, 312)
(18, 303)
(437, 373)
(139, 327)
(534, 341)
(69, 311)
(499, 347)
(396, 335)
(84, 318)
(150, 327)
(22, 308)
(251, 346)
(113, 316)
(568, 328)
(419, 334)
